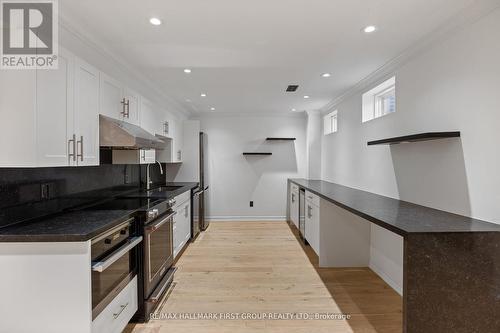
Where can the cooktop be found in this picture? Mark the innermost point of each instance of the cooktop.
(127, 204)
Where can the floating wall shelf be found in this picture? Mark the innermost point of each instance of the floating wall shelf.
(280, 139)
(415, 138)
(256, 154)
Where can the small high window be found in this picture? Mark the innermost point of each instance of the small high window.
(330, 123)
(380, 101)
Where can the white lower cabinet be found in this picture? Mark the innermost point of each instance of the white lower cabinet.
(312, 221)
(182, 221)
(118, 313)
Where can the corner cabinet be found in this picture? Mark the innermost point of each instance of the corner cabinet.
(55, 112)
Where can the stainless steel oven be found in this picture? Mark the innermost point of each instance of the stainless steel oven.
(158, 250)
(114, 264)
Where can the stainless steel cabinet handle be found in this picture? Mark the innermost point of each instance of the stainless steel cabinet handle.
(123, 307)
(156, 226)
(125, 108)
(101, 266)
(293, 197)
(309, 211)
(72, 142)
(80, 142)
(186, 211)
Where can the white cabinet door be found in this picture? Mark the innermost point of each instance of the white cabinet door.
(132, 114)
(17, 118)
(312, 221)
(182, 226)
(55, 114)
(87, 113)
(149, 117)
(177, 141)
(149, 156)
(111, 97)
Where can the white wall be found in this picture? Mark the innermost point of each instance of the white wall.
(314, 133)
(234, 179)
(454, 85)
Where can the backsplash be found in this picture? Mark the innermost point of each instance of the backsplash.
(27, 193)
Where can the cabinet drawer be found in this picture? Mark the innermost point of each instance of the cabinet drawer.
(312, 198)
(295, 188)
(181, 199)
(118, 313)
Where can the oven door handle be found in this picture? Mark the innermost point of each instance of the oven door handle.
(101, 266)
(157, 225)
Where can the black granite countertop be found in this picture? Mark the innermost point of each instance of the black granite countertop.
(395, 215)
(162, 193)
(83, 224)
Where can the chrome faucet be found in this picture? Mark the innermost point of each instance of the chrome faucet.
(148, 176)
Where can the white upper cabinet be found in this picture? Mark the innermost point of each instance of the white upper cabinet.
(132, 102)
(111, 97)
(173, 129)
(86, 113)
(55, 134)
(18, 118)
(149, 117)
(117, 101)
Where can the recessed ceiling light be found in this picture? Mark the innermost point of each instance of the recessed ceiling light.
(187, 71)
(326, 75)
(306, 96)
(369, 29)
(212, 109)
(155, 21)
(203, 95)
(188, 100)
(293, 110)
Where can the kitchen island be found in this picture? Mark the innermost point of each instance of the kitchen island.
(451, 265)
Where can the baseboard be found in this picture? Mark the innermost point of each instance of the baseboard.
(393, 284)
(246, 218)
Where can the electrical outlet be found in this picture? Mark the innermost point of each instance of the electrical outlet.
(46, 190)
(251, 203)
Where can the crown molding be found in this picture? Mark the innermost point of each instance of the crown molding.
(452, 26)
(104, 51)
(205, 115)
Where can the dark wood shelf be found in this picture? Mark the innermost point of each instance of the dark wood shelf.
(415, 138)
(280, 139)
(256, 154)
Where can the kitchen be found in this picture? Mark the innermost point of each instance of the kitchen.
(178, 167)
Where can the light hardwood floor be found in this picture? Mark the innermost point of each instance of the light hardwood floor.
(260, 267)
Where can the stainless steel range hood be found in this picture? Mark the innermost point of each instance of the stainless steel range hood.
(117, 134)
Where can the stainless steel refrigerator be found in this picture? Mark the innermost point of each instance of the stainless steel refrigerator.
(200, 195)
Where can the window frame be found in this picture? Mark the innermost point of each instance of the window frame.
(331, 123)
(372, 100)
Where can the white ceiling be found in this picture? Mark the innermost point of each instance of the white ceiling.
(243, 54)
